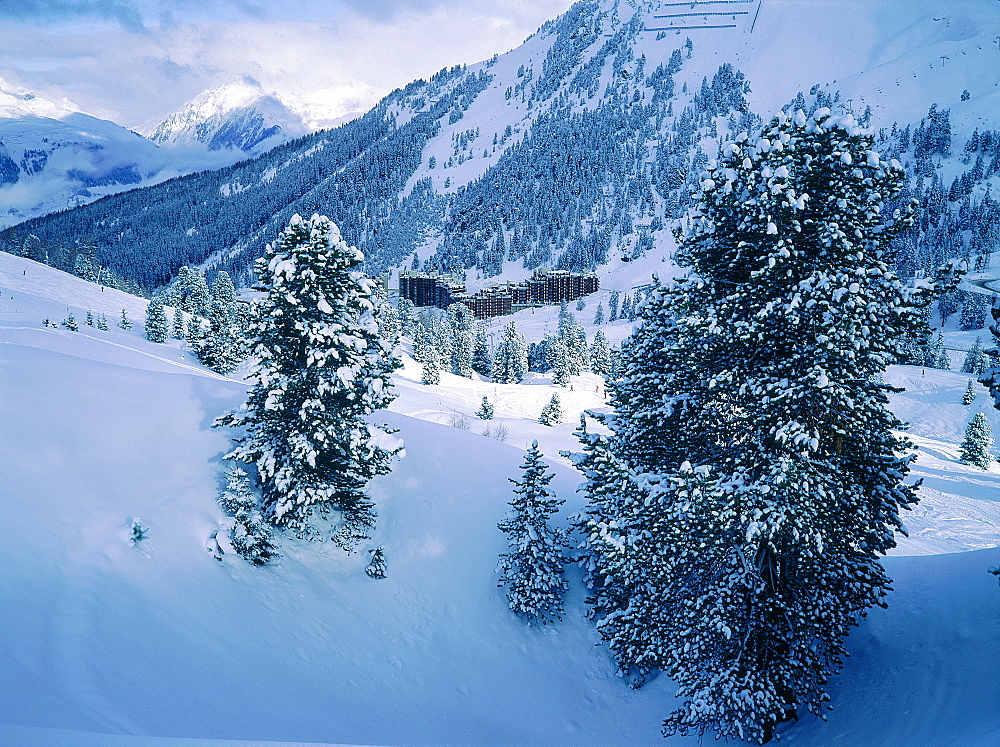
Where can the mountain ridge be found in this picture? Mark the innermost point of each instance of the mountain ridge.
(238, 114)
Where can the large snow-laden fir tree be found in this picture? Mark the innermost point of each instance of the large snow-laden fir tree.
(762, 369)
(322, 369)
(532, 570)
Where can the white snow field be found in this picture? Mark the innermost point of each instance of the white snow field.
(106, 644)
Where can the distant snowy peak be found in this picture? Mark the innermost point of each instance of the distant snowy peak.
(240, 114)
(18, 103)
(54, 156)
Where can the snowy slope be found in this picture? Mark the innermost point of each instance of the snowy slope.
(239, 114)
(899, 58)
(163, 641)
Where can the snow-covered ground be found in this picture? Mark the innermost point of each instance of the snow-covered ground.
(104, 643)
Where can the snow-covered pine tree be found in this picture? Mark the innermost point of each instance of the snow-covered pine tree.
(600, 355)
(482, 359)
(441, 332)
(975, 359)
(70, 323)
(970, 394)
(389, 328)
(973, 311)
(156, 320)
(599, 315)
(179, 329)
(238, 494)
(635, 306)
(124, 323)
(190, 291)
(424, 344)
(221, 346)
(322, 369)
(102, 323)
(947, 305)
(485, 411)
(579, 351)
(431, 373)
(763, 370)
(975, 449)
(561, 364)
(196, 334)
(511, 361)
(532, 569)
(178, 289)
(990, 377)
(943, 361)
(460, 323)
(376, 566)
(574, 338)
(251, 536)
(611, 495)
(935, 353)
(626, 308)
(404, 312)
(552, 412)
(223, 290)
(540, 354)
(218, 346)
(90, 318)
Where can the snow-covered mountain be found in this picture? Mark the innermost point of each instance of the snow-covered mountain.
(580, 149)
(105, 643)
(54, 156)
(16, 103)
(240, 114)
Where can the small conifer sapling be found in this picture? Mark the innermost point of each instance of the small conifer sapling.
(532, 569)
(137, 532)
(376, 566)
(485, 412)
(969, 395)
(552, 412)
(251, 536)
(431, 373)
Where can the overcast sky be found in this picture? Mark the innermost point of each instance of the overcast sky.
(136, 61)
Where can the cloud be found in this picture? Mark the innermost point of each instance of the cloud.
(141, 15)
(137, 61)
(124, 12)
(387, 11)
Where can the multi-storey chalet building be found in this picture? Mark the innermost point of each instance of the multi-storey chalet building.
(544, 287)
